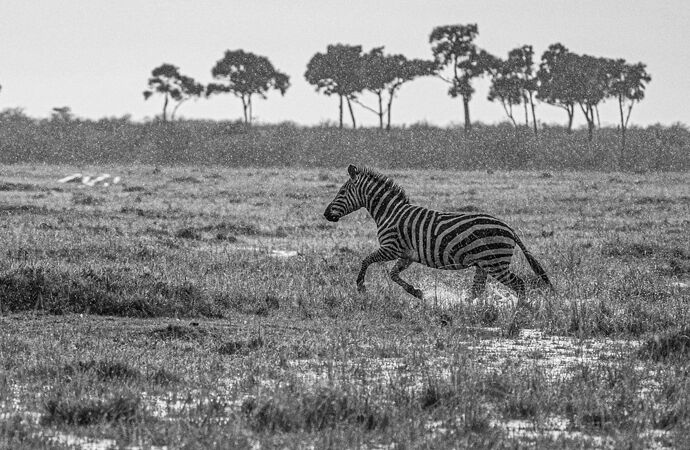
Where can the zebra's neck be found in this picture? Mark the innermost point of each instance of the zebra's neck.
(383, 204)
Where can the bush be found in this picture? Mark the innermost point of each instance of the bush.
(120, 141)
(105, 292)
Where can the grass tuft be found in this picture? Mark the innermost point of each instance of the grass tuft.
(4, 186)
(669, 344)
(105, 292)
(242, 347)
(311, 412)
(83, 411)
(104, 370)
(187, 233)
(180, 332)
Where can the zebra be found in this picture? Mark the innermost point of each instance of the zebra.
(442, 240)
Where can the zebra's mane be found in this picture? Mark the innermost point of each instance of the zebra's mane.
(387, 182)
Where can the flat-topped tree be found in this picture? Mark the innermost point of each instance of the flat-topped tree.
(505, 88)
(245, 74)
(590, 86)
(520, 67)
(167, 80)
(338, 72)
(385, 74)
(557, 71)
(627, 83)
(453, 45)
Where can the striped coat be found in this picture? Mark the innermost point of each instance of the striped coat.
(443, 240)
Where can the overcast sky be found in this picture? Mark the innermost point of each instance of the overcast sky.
(95, 56)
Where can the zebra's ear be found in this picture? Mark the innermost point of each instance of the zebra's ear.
(353, 171)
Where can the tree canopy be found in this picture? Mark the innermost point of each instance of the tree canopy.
(167, 80)
(245, 74)
(557, 71)
(453, 45)
(627, 84)
(337, 72)
(385, 74)
(505, 88)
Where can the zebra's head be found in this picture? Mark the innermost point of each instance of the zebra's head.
(347, 200)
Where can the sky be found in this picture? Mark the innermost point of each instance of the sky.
(95, 56)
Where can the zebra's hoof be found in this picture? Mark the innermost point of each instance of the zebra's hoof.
(417, 293)
(361, 289)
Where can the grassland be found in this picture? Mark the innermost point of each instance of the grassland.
(229, 144)
(169, 310)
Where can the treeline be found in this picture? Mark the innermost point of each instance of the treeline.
(562, 78)
(64, 139)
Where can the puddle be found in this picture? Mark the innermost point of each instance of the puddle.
(440, 295)
(555, 355)
(71, 440)
(553, 427)
(283, 253)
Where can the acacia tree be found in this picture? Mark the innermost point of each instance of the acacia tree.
(627, 85)
(385, 74)
(245, 74)
(338, 72)
(590, 86)
(453, 45)
(167, 80)
(520, 67)
(506, 88)
(557, 70)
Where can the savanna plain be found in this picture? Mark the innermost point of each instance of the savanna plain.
(209, 307)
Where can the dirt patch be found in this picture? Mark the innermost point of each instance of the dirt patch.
(181, 332)
(241, 347)
(672, 344)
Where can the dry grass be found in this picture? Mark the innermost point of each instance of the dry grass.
(120, 141)
(126, 317)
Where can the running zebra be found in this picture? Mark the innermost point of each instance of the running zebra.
(440, 240)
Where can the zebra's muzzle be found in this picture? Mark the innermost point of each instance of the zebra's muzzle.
(330, 216)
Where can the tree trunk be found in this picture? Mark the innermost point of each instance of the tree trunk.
(380, 111)
(524, 102)
(174, 111)
(251, 110)
(340, 111)
(165, 109)
(588, 111)
(508, 108)
(596, 108)
(571, 114)
(623, 124)
(390, 105)
(466, 109)
(534, 116)
(244, 109)
(352, 114)
(590, 123)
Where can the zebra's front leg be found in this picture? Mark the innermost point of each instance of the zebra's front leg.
(380, 255)
(401, 265)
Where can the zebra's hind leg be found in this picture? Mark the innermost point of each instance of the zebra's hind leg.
(520, 317)
(514, 282)
(518, 285)
(478, 283)
(400, 265)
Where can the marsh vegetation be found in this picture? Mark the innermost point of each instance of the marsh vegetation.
(203, 307)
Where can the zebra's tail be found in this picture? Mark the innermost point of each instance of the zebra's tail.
(534, 264)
